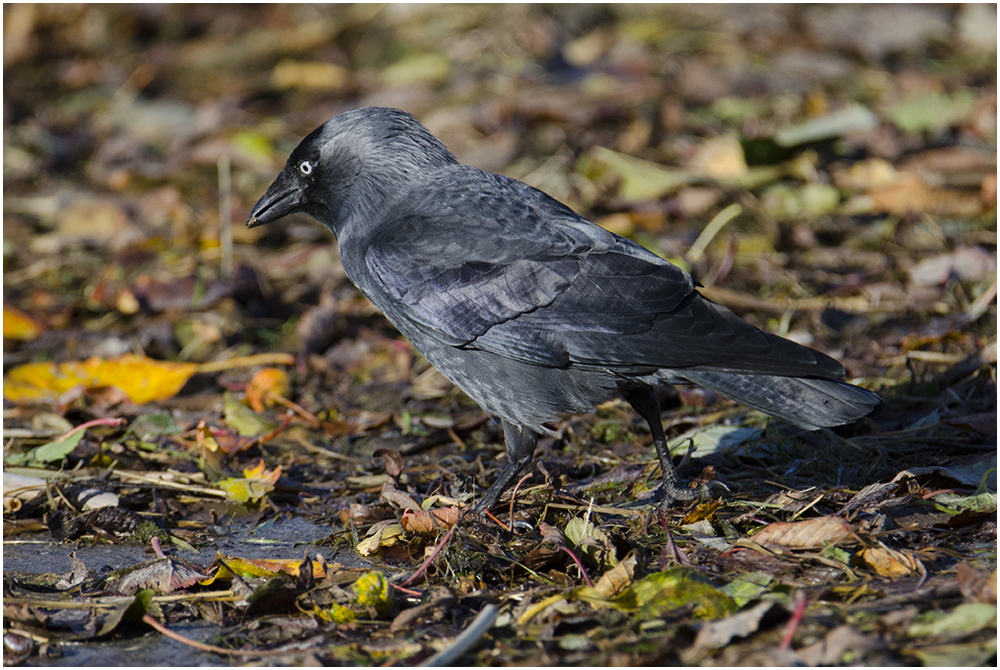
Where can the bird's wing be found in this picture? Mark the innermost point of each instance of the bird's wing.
(541, 285)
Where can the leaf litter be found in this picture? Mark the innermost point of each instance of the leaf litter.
(301, 475)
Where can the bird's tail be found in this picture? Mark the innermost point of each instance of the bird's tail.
(808, 403)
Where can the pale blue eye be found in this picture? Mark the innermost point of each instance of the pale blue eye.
(306, 168)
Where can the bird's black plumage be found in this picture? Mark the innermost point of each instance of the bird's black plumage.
(529, 308)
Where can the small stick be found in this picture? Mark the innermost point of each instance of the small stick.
(482, 623)
(800, 607)
(437, 550)
(583, 571)
(514, 495)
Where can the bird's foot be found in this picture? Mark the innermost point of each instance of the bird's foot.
(674, 493)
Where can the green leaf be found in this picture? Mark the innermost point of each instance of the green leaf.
(246, 422)
(747, 587)
(656, 594)
(929, 112)
(964, 619)
(638, 179)
(853, 118)
(48, 453)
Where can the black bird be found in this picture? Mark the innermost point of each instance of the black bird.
(526, 306)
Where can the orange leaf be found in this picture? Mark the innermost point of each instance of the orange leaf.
(264, 383)
(141, 379)
(429, 522)
(260, 473)
(19, 326)
(890, 563)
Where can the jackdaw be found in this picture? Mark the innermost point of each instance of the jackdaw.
(532, 310)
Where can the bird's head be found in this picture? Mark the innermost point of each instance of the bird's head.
(350, 165)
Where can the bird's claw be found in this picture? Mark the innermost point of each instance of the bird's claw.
(672, 493)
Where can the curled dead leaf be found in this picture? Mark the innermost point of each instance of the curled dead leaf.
(891, 563)
(429, 522)
(393, 461)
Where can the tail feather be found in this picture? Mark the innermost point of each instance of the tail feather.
(809, 403)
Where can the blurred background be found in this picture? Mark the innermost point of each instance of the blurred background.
(843, 154)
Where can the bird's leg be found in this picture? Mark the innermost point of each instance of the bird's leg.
(644, 401)
(520, 448)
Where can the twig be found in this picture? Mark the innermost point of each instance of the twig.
(498, 521)
(163, 630)
(409, 592)
(482, 623)
(579, 565)
(90, 424)
(301, 411)
(271, 358)
(800, 602)
(437, 550)
(513, 495)
(712, 229)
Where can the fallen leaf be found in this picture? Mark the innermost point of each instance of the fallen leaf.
(717, 634)
(19, 326)
(965, 619)
(373, 590)
(977, 585)
(613, 581)
(851, 119)
(163, 575)
(808, 534)
(637, 179)
(243, 419)
(141, 379)
(260, 567)
(429, 522)
(890, 563)
(382, 534)
(720, 158)
(265, 383)
(47, 453)
(256, 483)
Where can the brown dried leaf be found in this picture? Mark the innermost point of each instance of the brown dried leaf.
(393, 461)
(429, 522)
(399, 498)
(163, 575)
(617, 578)
(976, 585)
(809, 534)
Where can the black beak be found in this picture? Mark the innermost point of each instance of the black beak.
(283, 197)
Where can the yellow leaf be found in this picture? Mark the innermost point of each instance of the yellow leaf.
(141, 379)
(262, 567)
(382, 534)
(258, 482)
(890, 563)
(19, 326)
